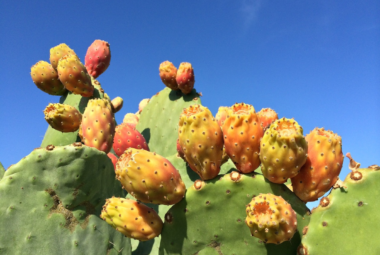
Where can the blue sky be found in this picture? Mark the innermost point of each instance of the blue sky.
(316, 61)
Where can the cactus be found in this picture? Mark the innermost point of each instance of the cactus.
(201, 140)
(55, 196)
(149, 177)
(271, 219)
(168, 73)
(46, 78)
(242, 133)
(283, 150)
(64, 118)
(98, 58)
(131, 218)
(74, 76)
(185, 78)
(322, 167)
(126, 137)
(344, 220)
(98, 125)
(2, 171)
(212, 215)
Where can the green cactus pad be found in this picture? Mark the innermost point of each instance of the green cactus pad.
(214, 217)
(58, 138)
(2, 170)
(347, 220)
(159, 120)
(51, 201)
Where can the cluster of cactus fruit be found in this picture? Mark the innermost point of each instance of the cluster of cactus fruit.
(211, 185)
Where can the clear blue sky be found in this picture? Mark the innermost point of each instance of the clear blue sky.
(316, 61)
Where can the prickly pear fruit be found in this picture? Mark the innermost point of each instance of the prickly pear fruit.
(168, 73)
(283, 150)
(126, 137)
(113, 159)
(98, 125)
(63, 117)
(46, 78)
(242, 133)
(74, 76)
(221, 115)
(271, 219)
(143, 103)
(117, 104)
(57, 52)
(132, 218)
(185, 78)
(201, 140)
(149, 177)
(98, 58)
(131, 119)
(266, 117)
(323, 165)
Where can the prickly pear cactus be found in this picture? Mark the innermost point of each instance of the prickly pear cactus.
(2, 170)
(212, 214)
(346, 221)
(159, 120)
(56, 137)
(51, 201)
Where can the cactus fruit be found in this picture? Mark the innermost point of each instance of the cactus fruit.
(117, 104)
(149, 177)
(323, 165)
(46, 78)
(347, 220)
(143, 103)
(98, 58)
(271, 219)
(221, 115)
(62, 117)
(242, 133)
(266, 117)
(283, 150)
(126, 137)
(201, 140)
(131, 218)
(131, 119)
(74, 76)
(59, 51)
(113, 159)
(185, 78)
(98, 125)
(168, 73)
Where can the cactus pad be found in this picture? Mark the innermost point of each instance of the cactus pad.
(54, 196)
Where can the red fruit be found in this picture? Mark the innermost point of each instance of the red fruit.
(113, 159)
(126, 137)
(185, 78)
(266, 117)
(98, 58)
